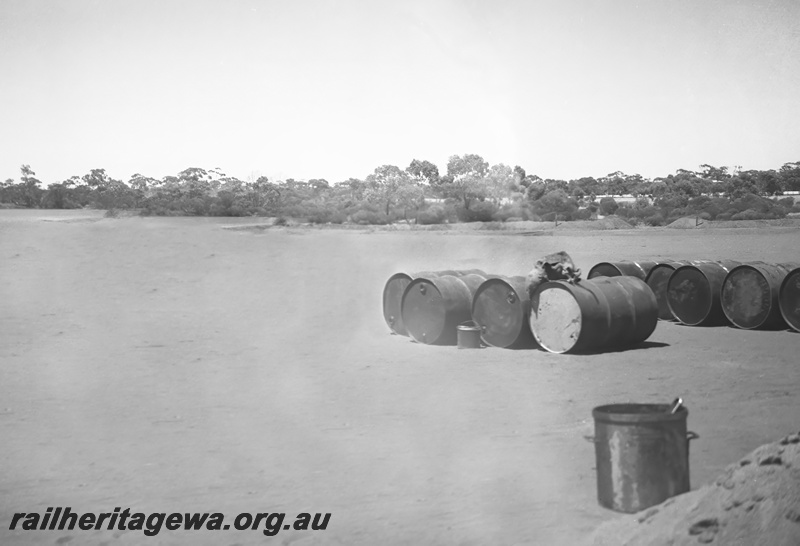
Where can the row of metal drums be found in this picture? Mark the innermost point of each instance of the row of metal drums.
(599, 314)
(752, 295)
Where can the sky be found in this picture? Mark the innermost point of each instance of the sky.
(335, 88)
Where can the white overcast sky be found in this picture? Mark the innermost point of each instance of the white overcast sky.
(334, 88)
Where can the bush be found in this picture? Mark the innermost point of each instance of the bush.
(655, 220)
(482, 211)
(326, 216)
(624, 211)
(748, 214)
(369, 217)
(608, 206)
(434, 215)
(506, 212)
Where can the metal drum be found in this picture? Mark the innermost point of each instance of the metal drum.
(501, 309)
(604, 313)
(693, 293)
(658, 278)
(432, 308)
(393, 294)
(790, 299)
(751, 295)
(623, 268)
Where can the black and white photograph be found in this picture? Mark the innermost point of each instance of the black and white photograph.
(413, 272)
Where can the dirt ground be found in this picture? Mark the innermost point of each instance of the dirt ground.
(170, 365)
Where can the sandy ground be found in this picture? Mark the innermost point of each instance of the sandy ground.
(170, 365)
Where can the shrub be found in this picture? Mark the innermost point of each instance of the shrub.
(506, 212)
(624, 211)
(608, 206)
(482, 211)
(655, 220)
(748, 214)
(433, 215)
(369, 217)
(327, 216)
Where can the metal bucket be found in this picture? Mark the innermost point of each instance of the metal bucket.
(623, 268)
(751, 295)
(790, 299)
(469, 336)
(396, 286)
(604, 313)
(693, 293)
(642, 455)
(432, 308)
(501, 309)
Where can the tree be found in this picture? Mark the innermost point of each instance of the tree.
(30, 192)
(768, 183)
(790, 176)
(266, 194)
(466, 178)
(97, 179)
(519, 174)
(197, 183)
(410, 196)
(423, 172)
(714, 174)
(500, 182)
(384, 183)
(740, 185)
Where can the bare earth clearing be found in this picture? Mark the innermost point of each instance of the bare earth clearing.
(169, 365)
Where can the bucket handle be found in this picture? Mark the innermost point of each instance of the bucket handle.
(689, 436)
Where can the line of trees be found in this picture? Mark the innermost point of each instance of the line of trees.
(469, 190)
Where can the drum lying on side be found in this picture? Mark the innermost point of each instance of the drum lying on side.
(751, 295)
(604, 313)
(396, 286)
(624, 268)
(432, 308)
(657, 280)
(501, 308)
(693, 293)
(790, 299)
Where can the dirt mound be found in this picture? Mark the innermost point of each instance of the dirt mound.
(688, 222)
(609, 222)
(755, 501)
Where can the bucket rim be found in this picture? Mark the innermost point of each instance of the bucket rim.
(469, 326)
(627, 413)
